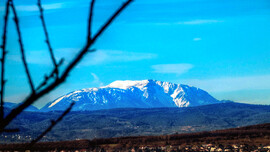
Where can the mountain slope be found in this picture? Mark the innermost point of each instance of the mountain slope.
(10, 105)
(133, 94)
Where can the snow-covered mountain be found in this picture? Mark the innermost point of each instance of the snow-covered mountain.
(136, 94)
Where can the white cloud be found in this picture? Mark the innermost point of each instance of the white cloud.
(98, 57)
(172, 68)
(197, 39)
(231, 83)
(31, 8)
(176, 23)
(34, 8)
(194, 22)
(107, 56)
(33, 57)
(97, 80)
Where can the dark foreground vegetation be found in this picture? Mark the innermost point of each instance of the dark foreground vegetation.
(250, 138)
(135, 122)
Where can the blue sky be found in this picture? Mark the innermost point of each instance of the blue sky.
(221, 46)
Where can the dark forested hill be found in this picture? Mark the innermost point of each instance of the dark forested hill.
(137, 122)
(250, 138)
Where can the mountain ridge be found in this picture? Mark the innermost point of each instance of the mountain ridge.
(11, 105)
(133, 94)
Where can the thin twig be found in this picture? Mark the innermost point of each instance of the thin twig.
(3, 46)
(53, 123)
(33, 97)
(90, 21)
(90, 43)
(110, 20)
(16, 20)
(47, 38)
(47, 77)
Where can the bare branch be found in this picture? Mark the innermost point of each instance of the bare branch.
(33, 97)
(53, 123)
(3, 46)
(16, 20)
(47, 38)
(110, 20)
(90, 21)
(46, 78)
(90, 43)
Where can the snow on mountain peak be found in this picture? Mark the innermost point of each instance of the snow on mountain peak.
(137, 94)
(127, 84)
